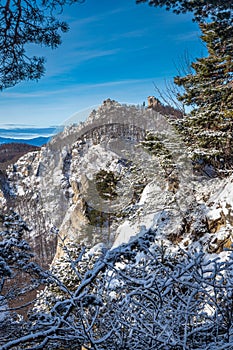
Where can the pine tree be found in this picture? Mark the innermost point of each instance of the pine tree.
(23, 23)
(209, 89)
(216, 10)
(106, 183)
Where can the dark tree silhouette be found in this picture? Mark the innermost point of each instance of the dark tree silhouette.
(27, 22)
(214, 9)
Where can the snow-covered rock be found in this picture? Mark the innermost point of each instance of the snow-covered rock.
(208, 219)
(54, 189)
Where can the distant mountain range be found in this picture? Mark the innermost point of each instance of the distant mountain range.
(37, 141)
(28, 135)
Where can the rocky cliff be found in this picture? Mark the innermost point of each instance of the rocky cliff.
(96, 182)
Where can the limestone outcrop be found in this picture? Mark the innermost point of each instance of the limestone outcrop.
(54, 189)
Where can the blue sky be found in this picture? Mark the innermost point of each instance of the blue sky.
(114, 49)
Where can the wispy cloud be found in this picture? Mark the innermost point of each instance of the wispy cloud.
(27, 94)
(14, 126)
(116, 83)
(138, 33)
(85, 55)
(72, 89)
(194, 35)
(96, 18)
(75, 58)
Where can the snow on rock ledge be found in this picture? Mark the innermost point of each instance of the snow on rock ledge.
(208, 219)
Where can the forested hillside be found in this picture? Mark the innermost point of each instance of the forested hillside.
(11, 152)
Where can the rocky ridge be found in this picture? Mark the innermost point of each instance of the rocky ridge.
(55, 188)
